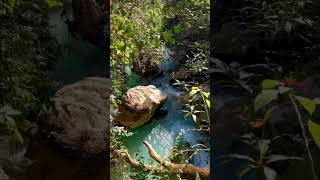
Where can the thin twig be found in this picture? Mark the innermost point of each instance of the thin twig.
(304, 135)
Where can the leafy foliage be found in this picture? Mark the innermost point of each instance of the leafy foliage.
(264, 98)
(188, 23)
(25, 64)
(54, 3)
(135, 30)
(140, 28)
(262, 161)
(188, 15)
(314, 130)
(198, 105)
(9, 127)
(135, 27)
(275, 17)
(282, 104)
(27, 53)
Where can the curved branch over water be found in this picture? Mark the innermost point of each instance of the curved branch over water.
(188, 171)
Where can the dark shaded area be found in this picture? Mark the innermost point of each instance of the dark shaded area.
(50, 165)
(252, 41)
(33, 53)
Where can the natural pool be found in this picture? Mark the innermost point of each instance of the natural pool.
(161, 133)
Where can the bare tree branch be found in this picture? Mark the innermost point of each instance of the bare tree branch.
(188, 171)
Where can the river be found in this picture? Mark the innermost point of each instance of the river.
(162, 133)
(80, 59)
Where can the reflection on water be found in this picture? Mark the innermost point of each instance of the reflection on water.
(51, 165)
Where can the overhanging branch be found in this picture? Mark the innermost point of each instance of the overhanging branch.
(188, 171)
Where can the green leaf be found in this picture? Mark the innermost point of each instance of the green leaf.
(288, 27)
(198, 177)
(194, 117)
(12, 112)
(24, 125)
(308, 104)
(177, 28)
(240, 157)
(17, 137)
(9, 111)
(316, 100)
(276, 157)
(314, 130)
(194, 88)
(206, 94)
(283, 89)
(268, 114)
(263, 146)
(53, 3)
(168, 37)
(208, 103)
(12, 4)
(269, 173)
(155, 42)
(243, 75)
(193, 92)
(11, 122)
(246, 170)
(269, 83)
(264, 98)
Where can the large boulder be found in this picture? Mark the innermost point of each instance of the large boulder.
(139, 105)
(77, 119)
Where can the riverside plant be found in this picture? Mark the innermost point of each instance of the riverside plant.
(196, 107)
(262, 161)
(271, 91)
(8, 125)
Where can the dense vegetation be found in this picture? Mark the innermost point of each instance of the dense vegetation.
(27, 54)
(135, 29)
(272, 59)
(140, 31)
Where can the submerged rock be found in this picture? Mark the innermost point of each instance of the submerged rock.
(139, 105)
(77, 120)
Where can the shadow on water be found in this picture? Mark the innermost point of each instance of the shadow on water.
(51, 165)
(77, 59)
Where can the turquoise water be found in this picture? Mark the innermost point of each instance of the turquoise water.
(162, 133)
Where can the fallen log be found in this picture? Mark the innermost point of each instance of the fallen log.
(187, 171)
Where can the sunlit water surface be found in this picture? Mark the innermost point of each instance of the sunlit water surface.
(162, 133)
